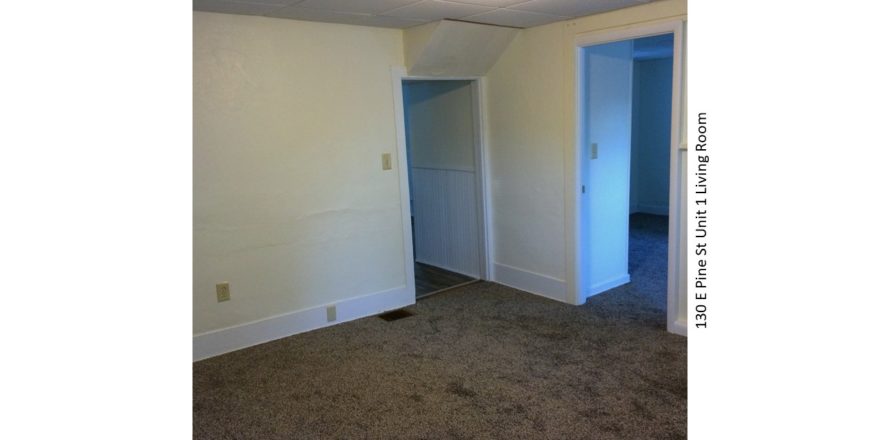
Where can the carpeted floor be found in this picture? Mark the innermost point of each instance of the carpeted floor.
(482, 361)
(648, 246)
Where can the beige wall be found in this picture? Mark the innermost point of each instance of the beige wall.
(291, 206)
(531, 136)
(526, 141)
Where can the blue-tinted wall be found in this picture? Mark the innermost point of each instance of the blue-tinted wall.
(649, 173)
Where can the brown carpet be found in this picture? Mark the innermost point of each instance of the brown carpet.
(479, 362)
(483, 361)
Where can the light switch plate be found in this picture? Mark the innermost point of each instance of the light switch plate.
(594, 151)
(386, 161)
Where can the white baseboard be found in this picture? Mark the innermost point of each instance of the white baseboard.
(217, 342)
(678, 327)
(531, 282)
(608, 285)
(652, 209)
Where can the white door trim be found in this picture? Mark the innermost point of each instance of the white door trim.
(403, 177)
(481, 153)
(676, 286)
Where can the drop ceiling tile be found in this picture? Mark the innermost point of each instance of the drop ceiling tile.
(231, 7)
(510, 17)
(430, 10)
(492, 3)
(357, 6)
(323, 15)
(270, 2)
(575, 8)
(390, 22)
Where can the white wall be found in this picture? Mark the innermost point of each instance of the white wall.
(608, 125)
(444, 210)
(291, 205)
(652, 94)
(440, 142)
(531, 101)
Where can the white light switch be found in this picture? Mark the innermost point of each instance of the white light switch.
(386, 161)
(594, 151)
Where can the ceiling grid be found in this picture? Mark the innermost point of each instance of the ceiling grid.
(403, 14)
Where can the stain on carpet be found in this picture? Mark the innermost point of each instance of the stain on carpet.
(459, 390)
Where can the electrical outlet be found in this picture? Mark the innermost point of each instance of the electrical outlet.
(223, 292)
(331, 313)
(386, 161)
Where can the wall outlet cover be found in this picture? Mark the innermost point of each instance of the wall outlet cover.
(331, 313)
(223, 292)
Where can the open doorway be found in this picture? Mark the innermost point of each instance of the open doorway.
(442, 149)
(629, 220)
(649, 167)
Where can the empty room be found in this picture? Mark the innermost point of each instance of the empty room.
(439, 219)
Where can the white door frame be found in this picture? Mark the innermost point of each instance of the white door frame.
(481, 158)
(676, 284)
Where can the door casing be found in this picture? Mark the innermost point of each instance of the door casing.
(481, 158)
(677, 261)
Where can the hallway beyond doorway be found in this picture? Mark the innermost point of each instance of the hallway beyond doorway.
(430, 279)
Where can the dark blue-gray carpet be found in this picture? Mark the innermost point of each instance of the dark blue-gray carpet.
(481, 362)
(648, 246)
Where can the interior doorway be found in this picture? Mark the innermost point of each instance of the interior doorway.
(629, 168)
(444, 180)
(649, 168)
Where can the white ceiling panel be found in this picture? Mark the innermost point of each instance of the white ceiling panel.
(575, 8)
(492, 3)
(431, 10)
(390, 22)
(298, 13)
(510, 17)
(270, 2)
(232, 7)
(407, 13)
(359, 7)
